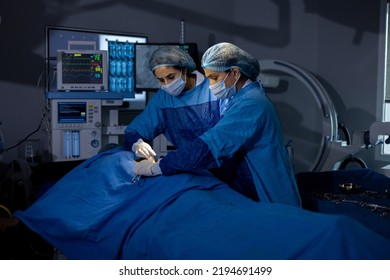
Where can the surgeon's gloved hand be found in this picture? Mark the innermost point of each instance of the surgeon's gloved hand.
(143, 149)
(148, 168)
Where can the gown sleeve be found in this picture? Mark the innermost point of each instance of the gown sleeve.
(194, 156)
(146, 125)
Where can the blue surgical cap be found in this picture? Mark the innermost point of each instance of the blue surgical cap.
(223, 56)
(171, 56)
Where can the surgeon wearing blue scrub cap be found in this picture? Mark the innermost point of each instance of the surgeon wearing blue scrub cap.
(249, 126)
(183, 109)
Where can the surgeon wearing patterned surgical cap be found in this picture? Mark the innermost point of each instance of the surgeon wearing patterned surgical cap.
(182, 109)
(249, 127)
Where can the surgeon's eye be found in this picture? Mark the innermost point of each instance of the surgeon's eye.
(171, 77)
(213, 77)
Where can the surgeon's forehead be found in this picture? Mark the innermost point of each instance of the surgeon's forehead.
(164, 71)
(213, 74)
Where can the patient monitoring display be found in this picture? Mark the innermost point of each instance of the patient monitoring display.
(82, 70)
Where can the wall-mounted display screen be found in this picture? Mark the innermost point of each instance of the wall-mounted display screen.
(144, 78)
(83, 41)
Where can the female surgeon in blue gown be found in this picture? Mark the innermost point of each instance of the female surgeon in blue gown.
(183, 109)
(249, 127)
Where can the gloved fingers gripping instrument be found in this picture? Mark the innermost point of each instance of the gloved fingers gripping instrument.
(143, 149)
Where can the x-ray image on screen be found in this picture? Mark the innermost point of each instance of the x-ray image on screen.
(144, 78)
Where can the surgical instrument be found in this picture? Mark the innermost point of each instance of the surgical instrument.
(137, 177)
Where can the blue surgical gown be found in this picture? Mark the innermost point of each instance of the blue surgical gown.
(249, 126)
(181, 118)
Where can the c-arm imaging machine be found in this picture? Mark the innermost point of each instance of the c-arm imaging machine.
(332, 153)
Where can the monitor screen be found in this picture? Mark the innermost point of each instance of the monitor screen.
(82, 70)
(72, 112)
(144, 78)
(85, 40)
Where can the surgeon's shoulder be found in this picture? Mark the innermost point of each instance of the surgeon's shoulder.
(159, 98)
(256, 102)
(254, 97)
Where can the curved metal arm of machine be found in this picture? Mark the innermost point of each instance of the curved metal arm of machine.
(332, 151)
(322, 99)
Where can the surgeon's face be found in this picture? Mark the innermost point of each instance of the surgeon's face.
(215, 77)
(167, 74)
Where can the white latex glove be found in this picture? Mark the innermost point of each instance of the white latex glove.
(148, 168)
(143, 149)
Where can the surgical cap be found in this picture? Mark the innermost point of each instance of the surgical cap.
(171, 56)
(223, 56)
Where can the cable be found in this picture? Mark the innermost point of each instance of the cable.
(43, 110)
(25, 138)
(6, 210)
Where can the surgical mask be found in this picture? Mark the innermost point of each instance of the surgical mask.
(221, 91)
(176, 87)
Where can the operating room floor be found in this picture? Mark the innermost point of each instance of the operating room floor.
(20, 243)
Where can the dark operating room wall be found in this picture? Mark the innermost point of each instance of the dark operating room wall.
(336, 40)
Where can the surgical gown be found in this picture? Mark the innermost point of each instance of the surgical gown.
(250, 126)
(180, 118)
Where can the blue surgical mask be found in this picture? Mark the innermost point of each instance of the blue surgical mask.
(221, 91)
(175, 87)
